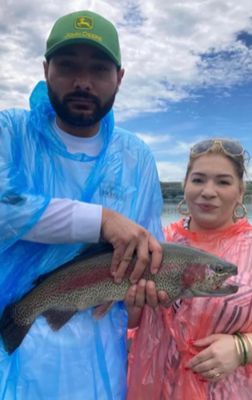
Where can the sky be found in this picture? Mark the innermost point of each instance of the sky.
(188, 68)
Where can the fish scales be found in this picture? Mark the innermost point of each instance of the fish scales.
(86, 282)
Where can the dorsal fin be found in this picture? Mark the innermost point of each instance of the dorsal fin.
(42, 278)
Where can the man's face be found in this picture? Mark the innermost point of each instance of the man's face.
(82, 83)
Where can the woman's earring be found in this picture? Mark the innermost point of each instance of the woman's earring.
(182, 208)
(240, 211)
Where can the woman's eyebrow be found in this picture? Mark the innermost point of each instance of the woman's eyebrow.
(218, 175)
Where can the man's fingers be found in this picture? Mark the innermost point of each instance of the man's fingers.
(116, 259)
(143, 259)
(149, 252)
(156, 254)
(123, 262)
(128, 239)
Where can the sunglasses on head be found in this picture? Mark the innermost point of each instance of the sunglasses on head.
(229, 147)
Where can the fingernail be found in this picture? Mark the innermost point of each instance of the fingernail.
(118, 280)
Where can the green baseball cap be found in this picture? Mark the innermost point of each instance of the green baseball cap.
(84, 27)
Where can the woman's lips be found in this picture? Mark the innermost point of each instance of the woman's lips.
(207, 207)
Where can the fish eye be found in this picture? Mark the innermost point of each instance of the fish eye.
(219, 269)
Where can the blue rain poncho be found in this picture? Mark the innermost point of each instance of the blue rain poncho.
(85, 359)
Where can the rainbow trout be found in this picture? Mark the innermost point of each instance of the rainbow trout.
(86, 282)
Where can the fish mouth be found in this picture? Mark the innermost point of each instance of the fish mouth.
(218, 291)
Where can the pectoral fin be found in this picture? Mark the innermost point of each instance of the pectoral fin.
(102, 309)
(57, 318)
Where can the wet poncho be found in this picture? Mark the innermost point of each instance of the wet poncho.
(86, 358)
(162, 345)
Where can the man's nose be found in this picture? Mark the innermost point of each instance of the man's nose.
(82, 81)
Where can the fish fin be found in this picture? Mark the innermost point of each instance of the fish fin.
(57, 318)
(102, 309)
(12, 333)
(94, 249)
(42, 278)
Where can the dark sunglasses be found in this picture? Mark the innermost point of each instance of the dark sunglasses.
(229, 147)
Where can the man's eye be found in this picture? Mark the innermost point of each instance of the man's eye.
(100, 68)
(66, 64)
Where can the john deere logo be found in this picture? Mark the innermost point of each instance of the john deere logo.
(84, 23)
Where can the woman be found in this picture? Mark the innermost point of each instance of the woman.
(201, 348)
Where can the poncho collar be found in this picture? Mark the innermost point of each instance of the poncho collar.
(241, 226)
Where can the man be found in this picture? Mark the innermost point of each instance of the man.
(68, 178)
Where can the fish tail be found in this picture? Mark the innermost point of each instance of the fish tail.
(12, 333)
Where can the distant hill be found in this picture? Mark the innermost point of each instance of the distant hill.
(173, 191)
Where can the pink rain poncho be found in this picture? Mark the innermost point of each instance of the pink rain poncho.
(161, 349)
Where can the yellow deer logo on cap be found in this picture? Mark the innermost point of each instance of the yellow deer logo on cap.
(84, 23)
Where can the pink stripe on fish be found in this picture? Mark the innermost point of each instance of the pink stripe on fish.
(85, 278)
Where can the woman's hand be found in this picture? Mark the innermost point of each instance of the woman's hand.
(144, 292)
(218, 358)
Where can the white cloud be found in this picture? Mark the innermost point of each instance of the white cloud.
(163, 56)
(163, 47)
(154, 140)
(171, 171)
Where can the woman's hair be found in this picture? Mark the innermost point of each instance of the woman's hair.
(216, 147)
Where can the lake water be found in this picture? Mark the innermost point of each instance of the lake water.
(170, 214)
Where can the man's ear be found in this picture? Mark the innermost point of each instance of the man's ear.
(120, 75)
(46, 66)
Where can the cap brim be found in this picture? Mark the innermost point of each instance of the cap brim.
(65, 43)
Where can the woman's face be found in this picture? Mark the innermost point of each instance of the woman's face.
(212, 191)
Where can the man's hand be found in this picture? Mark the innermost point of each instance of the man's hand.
(128, 238)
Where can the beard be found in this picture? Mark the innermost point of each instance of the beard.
(74, 118)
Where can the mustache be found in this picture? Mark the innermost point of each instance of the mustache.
(81, 94)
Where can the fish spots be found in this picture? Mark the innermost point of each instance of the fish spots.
(84, 279)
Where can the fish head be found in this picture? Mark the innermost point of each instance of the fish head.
(209, 279)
